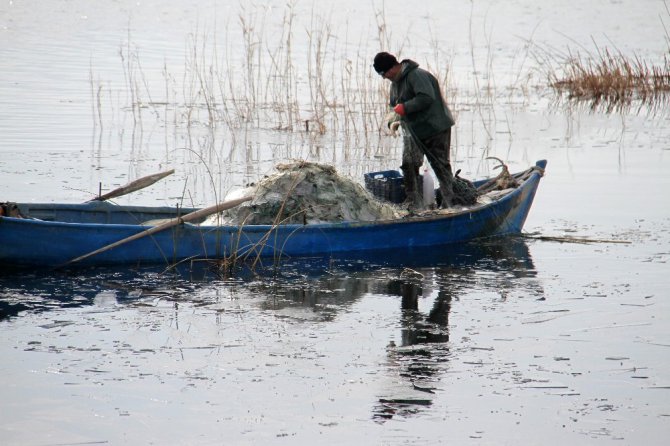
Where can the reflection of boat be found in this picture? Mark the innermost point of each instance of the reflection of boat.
(322, 283)
(57, 233)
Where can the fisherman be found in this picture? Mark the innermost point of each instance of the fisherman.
(420, 109)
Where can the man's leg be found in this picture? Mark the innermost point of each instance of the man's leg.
(412, 158)
(437, 150)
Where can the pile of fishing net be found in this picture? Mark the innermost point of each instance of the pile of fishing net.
(305, 193)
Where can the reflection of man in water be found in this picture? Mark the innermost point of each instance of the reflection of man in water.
(418, 365)
(422, 355)
(420, 330)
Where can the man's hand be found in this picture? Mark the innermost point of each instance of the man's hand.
(394, 128)
(400, 109)
(392, 122)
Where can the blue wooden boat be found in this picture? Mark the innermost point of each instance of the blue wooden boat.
(55, 234)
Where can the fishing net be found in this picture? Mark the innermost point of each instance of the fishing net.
(465, 192)
(305, 193)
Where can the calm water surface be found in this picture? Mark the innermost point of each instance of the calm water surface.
(517, 341)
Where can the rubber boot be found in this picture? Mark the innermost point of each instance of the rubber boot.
(413, 201)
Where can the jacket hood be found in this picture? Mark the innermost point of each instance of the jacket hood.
(407, 65)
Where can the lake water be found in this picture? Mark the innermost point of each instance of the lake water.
(518, 341)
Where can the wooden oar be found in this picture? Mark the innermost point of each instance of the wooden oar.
(133, 186)
(195, 215)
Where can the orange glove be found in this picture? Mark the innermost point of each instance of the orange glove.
(400, 109)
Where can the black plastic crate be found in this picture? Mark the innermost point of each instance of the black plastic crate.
(387, 185)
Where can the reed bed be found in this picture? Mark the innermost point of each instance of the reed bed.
(611, 79)
(274, 78)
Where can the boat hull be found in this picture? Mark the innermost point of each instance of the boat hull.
(44, 243)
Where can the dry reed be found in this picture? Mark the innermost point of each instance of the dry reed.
(262, 85)
(611, 78)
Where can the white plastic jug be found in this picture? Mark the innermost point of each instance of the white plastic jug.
(428, 188)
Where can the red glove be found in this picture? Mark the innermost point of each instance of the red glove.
(400, 109)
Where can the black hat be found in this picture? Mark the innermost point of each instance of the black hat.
(384, 62)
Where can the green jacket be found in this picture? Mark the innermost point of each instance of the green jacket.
(426, 111)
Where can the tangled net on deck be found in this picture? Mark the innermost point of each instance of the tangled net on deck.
(304, 193)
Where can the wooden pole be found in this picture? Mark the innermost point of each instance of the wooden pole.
(133, 186)
(195, 215)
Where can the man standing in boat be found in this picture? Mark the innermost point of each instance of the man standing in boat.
(419, 107)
